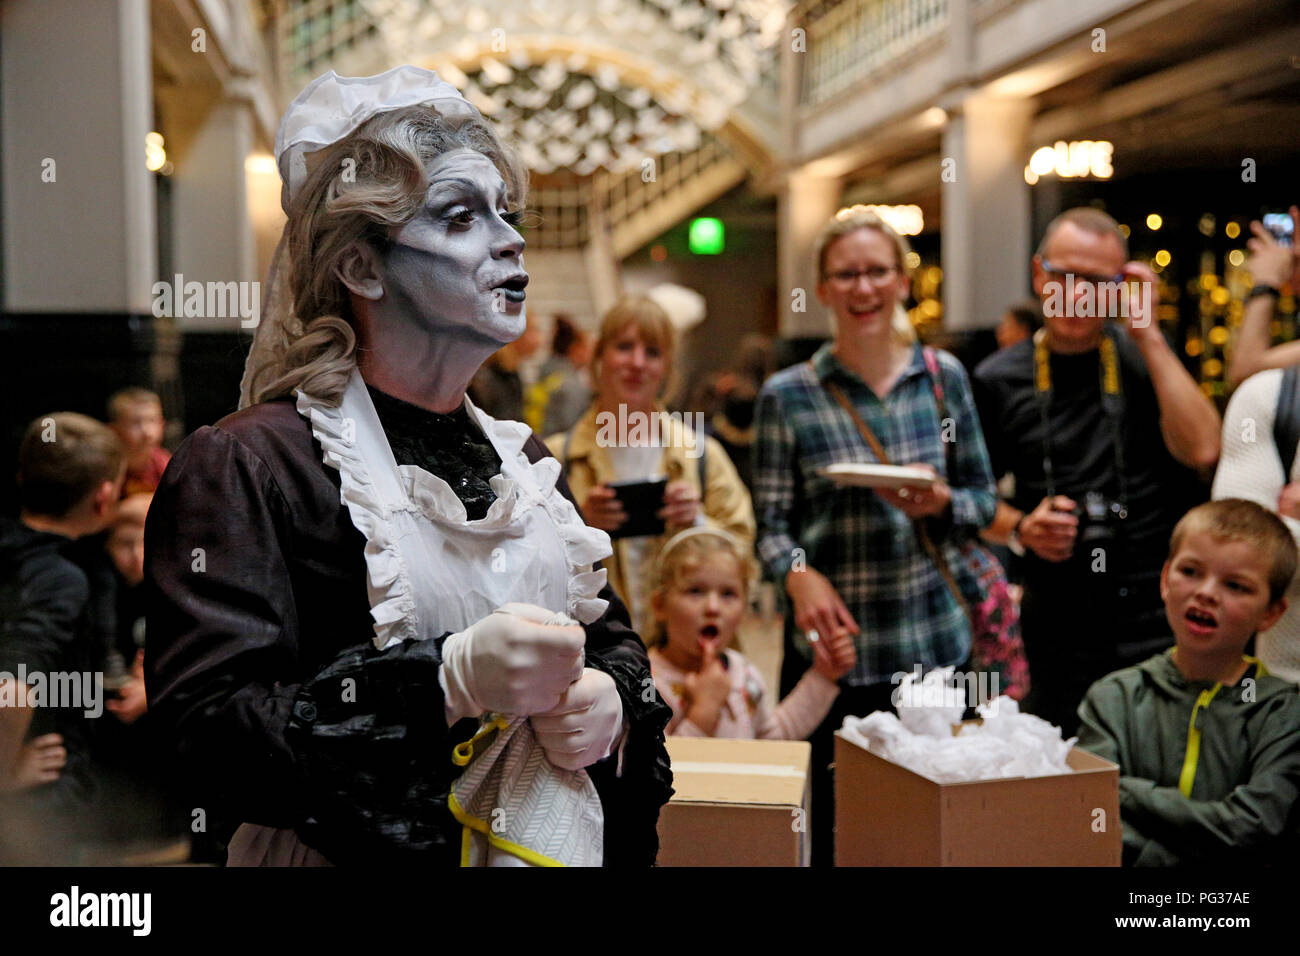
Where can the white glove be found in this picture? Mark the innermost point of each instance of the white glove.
(585, 725)
(510, 662)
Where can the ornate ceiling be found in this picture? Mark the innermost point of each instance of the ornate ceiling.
(578, 85)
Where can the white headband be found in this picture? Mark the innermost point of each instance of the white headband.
(696, 531)
(332, 107)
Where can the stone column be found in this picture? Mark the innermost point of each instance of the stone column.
(985, 203)
(213, 233)
(79, 220)
(805, 202)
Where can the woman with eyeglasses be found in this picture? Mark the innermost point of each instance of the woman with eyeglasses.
(852, 559)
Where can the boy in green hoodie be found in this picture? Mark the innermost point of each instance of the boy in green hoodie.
(1208, 744)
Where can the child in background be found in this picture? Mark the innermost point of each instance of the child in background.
(1208, 744)
(700, 595)
(125, 546)
(70, 470)
(134, 803)
(136, 415)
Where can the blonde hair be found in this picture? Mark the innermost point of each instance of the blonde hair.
(1236, 519)
(651, 323)
(387, 158)
(849, 220)
(686, 551)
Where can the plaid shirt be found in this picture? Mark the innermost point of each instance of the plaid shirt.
(866, 548)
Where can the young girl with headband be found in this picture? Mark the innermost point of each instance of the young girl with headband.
(699, 595)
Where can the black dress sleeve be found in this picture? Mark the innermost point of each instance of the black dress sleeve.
(356, 757)
(223, 628)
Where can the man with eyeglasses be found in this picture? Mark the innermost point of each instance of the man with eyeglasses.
(1108, 439)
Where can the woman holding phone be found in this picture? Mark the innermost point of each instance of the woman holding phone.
(627, 438)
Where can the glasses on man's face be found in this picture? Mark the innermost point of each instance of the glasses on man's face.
(876, 275)
(1080, 278)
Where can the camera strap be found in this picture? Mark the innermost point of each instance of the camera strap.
(1112, 404)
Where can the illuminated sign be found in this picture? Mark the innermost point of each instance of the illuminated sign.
(1073, 160)
(706, 236)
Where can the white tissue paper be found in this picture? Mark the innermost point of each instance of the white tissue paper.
(1007, 743)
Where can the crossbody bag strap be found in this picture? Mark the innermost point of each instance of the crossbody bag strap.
(936, 383)
(877, 449)
(922, 533)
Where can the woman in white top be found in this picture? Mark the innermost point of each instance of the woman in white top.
(1251, 465)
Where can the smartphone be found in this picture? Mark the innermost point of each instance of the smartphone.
(1281, 225)
(641, 499)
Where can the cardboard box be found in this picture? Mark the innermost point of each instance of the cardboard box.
(737, 803)
(886, 815)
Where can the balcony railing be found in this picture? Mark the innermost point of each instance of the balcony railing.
(850, 39)
(636, 205)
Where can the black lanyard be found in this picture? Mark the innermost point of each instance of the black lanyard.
(1112, 403)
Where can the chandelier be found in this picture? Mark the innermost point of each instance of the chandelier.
(582, 85)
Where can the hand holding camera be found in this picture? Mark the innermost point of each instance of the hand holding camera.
(1050, 529)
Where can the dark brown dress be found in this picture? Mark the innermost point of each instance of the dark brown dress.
(258, 618)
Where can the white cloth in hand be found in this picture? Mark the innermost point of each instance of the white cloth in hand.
(586, 724)
(510, 662)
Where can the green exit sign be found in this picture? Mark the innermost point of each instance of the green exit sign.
(707, 236)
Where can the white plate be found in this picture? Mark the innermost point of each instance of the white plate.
(877, 476)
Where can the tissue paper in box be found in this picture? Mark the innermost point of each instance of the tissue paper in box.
(886, 815)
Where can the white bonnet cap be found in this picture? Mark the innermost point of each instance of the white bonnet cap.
(332, 107)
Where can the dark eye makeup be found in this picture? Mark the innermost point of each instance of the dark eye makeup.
(462, 216)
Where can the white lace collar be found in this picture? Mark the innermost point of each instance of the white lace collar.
(374, 488)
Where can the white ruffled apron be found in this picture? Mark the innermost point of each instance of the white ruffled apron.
(430, 570)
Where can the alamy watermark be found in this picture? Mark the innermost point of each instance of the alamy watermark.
(208, 300)
(626, 429)
(82, 690)
(969, 689)
(1088, 299)
(77, 909)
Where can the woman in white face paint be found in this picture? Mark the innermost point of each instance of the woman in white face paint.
(356, 577)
